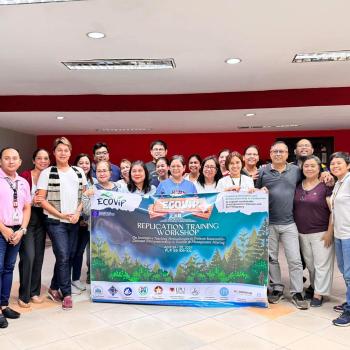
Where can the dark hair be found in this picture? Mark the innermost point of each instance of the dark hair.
(99, 145)
(146, 183)
(6, 148)
(251, 146)
(158, 142)
(197, 156)
(342, 155)
(35, 153)
(218, 174)
(88, 175)
(278, 143)
(316, 159)
(166, 160)
(178, 157)
(231, 155)
(224, 150)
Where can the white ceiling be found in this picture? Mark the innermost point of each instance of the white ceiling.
(198, 34)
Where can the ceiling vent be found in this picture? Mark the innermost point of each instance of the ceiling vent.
(250, 127)
(326, 56)
(122, 64)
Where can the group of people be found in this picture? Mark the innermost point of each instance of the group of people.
(308, 207)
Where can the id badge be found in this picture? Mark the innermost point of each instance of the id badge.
(15, 218)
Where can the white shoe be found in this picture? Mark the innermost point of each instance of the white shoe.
(75, 290)
(79, 285)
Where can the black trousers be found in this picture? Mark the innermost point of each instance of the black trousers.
(31, 256)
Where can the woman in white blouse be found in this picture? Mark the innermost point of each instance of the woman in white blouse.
(209, 175)
(235, 181)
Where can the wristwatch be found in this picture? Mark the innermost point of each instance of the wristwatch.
(24, 230)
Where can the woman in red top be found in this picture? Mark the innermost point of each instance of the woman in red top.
(33, 243)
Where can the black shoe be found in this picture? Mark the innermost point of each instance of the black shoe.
(315, 302)
(309, 293)
(275, 297)
(3, 321)
(299, 301)
(11, 314)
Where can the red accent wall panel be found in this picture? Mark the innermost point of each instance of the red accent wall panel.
(137, 146)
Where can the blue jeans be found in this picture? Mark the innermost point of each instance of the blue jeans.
(64, 237)
(342, 252)
(83, 239)
(8, 256)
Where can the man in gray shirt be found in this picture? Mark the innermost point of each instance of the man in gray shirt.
(281, 179)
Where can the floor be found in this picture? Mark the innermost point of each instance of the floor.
(137, 327)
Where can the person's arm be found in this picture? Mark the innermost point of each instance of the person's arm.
(328, 235)
(327, 178)
(50, 208)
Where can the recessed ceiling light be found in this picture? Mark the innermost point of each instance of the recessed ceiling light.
(122, 63)
(59, 117)
(326, 56)
(23, 2)
(233, 60)
(249, 115)
(96, 35)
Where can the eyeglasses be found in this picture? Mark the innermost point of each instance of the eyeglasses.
(210, 167)
(101, 153)
(158, 149)
(304, 146)
(102, 171)
(278, 151)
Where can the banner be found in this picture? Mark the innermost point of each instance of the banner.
(195, 250)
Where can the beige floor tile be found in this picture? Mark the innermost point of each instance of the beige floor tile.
(153, 309)
(104, 338)
(143, 327)
(316, 342)
(206, 347)
(304, 321)
(178, 317)
(244, 341)
(74, 323)
(208, 330)
(241, 319)
(6, 343)
(214, 311)
(67, 344)
(337, 334)
(119, 313)
(37, 336)
(277, 333)
(132, 346)
(173, 339)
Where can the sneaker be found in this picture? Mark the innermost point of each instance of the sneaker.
(79, 285)
(54, 295)
(339, 308)
(75, 290)
(343, 320)
(315, 302)
(309, 293)
(299, 301)
(275, 297)
(67, 303)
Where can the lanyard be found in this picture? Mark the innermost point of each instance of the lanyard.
(240, 179)
(15, 191)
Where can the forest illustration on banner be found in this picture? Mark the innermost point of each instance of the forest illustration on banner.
(244, 261)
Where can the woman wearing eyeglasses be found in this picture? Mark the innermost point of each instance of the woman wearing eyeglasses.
(209, 175)
(235, 181)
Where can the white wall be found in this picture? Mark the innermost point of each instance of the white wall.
(26, 144)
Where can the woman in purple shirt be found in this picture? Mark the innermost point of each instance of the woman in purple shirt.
(312, 214)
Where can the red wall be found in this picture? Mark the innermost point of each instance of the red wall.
(137, 146)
